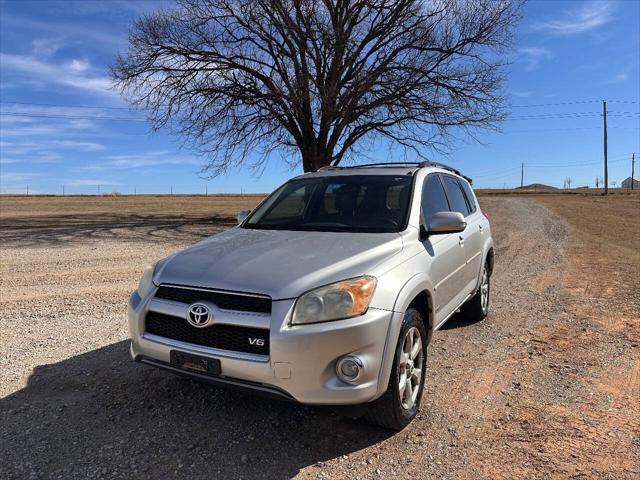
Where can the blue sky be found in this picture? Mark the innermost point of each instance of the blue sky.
(54, 87)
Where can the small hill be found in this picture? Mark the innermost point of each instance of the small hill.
(536, 186)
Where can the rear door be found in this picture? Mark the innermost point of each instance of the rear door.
(444, 261)
(476, 227)
(469, 239)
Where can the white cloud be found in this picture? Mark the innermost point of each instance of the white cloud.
(619, 78)
(521, 93)
(80, 146)
(148, 159)
(533, 56)
(46, 46)
(90, 182)
(15, 182)
(26, 147)
(46, 73)
(588, 16)
(79, 65)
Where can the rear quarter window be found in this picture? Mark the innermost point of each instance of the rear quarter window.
(456, 196)
(468, 193)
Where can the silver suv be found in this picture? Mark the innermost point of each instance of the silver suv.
(327, 293)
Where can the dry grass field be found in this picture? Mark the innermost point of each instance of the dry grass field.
(38, 220)
(604, 251)
(546, 387)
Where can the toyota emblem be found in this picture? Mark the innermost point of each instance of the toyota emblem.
(199, 315)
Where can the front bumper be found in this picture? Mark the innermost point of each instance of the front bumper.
(301, 361)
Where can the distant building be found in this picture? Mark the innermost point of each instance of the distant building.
(626, 183)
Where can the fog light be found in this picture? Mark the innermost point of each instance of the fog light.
(349, 368)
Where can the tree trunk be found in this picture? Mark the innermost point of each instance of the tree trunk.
(313, 161)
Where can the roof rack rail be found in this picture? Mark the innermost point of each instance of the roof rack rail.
(401, 164)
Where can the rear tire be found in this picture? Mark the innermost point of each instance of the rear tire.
(477, 308)
(399, 405)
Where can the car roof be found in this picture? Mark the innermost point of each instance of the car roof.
(394, 169)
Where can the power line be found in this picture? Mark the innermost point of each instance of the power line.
(577, 102)
(509, 171)
(572, 165)
(568, 117)
(568, 129)
(573, 114)
(555, 104)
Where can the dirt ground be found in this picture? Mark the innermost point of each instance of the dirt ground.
(546, 387)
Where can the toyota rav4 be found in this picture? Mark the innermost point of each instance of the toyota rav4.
(327, 293)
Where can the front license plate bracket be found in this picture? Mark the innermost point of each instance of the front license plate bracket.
(195, 363)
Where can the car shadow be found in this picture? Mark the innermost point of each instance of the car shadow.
(458, 320)
(100, 414)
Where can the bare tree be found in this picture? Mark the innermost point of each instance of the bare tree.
(597, 182)
(614, 183)
(567, 182)
(242, 79)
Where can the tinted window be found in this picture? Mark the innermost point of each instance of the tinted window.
(433, 198)
(469, 194)
(455, 195)
(354, 203)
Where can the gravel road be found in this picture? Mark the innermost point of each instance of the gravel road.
(534, 391)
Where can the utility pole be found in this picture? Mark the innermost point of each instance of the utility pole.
(63, 190)
(606, 167)
(633, 164)
(522, 175)
(135, 190)
(206, 190)
(171, 189)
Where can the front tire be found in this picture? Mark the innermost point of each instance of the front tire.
(399, 405)
(477, 308)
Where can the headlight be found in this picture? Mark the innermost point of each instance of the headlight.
(345, 299)
(146, 282)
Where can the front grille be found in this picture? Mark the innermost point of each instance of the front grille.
(224, 300)
(224, 337)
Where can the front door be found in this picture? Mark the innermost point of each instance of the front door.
(469, 239)
(446, 259)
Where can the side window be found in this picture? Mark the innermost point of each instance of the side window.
(455, 195)
(433, 197)
(469, 194)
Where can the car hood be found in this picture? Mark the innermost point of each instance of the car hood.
(281, 264)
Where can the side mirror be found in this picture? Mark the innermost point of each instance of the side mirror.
(446, 222)
(242, 215)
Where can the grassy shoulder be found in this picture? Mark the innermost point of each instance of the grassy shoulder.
(604, 253)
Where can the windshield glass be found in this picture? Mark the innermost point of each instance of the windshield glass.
(354, 203)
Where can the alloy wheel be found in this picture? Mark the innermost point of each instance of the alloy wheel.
(410, 364)
(484, 290)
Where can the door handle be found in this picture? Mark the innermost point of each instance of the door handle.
(461, 240)
(480, 228)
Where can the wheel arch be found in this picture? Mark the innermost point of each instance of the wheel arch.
(488, 255)
(416, 293)
(423, 302)
(489, 259)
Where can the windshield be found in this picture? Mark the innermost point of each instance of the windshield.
(354, 203)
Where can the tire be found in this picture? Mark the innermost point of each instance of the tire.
(392, 410)
(477, 308)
